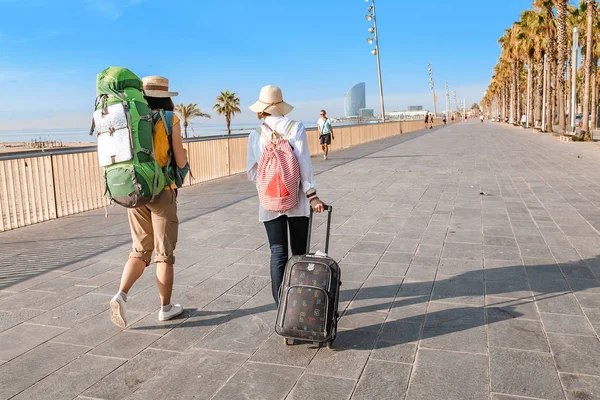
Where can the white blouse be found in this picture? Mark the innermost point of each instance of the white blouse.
(297, 138)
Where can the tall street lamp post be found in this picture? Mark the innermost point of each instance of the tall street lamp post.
(432, 87)
(447, 99)
(371, 16)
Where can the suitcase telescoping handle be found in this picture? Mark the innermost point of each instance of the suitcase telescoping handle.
(329, 209)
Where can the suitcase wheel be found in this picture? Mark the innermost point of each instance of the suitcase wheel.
(288, 342)
(330, 344)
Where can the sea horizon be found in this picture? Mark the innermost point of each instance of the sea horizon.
(81, 135)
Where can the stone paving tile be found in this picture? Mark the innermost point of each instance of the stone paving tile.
(130, 376)
(348, 357)
(42, 300)
(448, 375)
(503, 308)
(397, 342)
(258, 380)
(463, 289)
(197, 374)
(275, 351)
(249, 286)
(524, 373)
(576, 354)
(396, 258)
(567, 324)
(558, 303)
(498, 396)
(199, 324)
(455, 327)
(517, 334)
(236, 271)
(403, 245)
(38, 363)
(95, 330)
(579, 387)
(316, 387)
(244, 332)
(24, 337)
(15, 317)
(73, 312)
(72, 379)
(194, 275)
(383, 380)
(125, 344)
(464, 268)
(466, 251)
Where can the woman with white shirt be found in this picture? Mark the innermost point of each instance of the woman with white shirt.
(271, 107)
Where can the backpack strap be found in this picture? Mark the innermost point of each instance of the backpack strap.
(275, 134)
(168, 122)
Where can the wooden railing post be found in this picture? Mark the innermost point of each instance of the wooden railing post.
(54, 187)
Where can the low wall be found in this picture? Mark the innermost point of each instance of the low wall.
(40, 186)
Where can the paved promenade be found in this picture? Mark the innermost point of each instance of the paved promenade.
(447, 293)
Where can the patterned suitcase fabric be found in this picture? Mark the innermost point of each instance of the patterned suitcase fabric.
(309, 298)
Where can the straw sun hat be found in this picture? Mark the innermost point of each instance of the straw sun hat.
(271, 101)
(157, 86)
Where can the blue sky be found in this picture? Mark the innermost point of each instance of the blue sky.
(51, 51)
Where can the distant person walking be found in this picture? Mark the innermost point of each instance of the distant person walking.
(431, 121)
(426, 120)
(291, 216)
(154, 227)
(325, 133)
(444, 119)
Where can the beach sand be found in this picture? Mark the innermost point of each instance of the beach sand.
(16, 147)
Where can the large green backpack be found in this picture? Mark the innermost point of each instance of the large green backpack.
(123, 123)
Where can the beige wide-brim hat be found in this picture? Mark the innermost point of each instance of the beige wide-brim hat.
(157, 86)
(271, 101)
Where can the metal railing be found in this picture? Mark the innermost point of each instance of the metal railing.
(37, 186)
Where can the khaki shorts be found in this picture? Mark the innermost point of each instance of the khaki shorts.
(154, 228)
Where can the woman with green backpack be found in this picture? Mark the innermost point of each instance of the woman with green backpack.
(154, 226)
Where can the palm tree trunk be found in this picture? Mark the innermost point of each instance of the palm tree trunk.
(519, 92)
(529, 100)
(549, 98)
(594, 105)
(228, 121)
(568, 88)
(505, 102)
(185, 125)
(513, 93)
(591, 6)
(539, 89)
(561, 19)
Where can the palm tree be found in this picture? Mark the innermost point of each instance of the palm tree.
(532, 50)
(561, 21)
(545, 7)
(227, 104)
(591, 15)
(187, 113)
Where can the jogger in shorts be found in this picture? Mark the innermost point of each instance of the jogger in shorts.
(325, 133)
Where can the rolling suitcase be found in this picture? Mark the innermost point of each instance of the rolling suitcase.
(309, 296)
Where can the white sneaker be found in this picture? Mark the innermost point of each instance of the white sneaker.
(325, 157)
(176, 309)
(117, 311)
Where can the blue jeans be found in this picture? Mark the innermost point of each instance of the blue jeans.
(277, 232)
